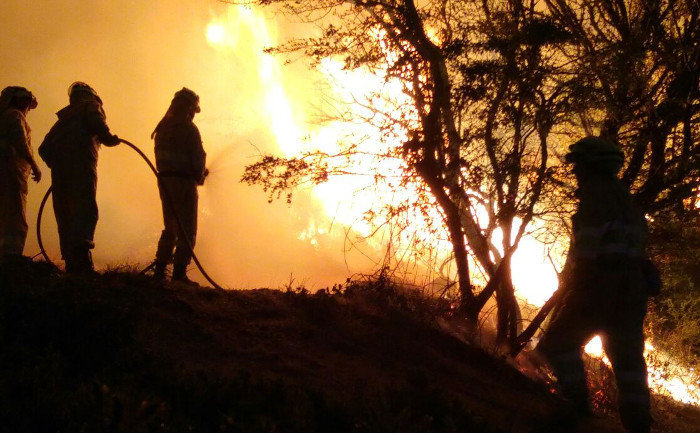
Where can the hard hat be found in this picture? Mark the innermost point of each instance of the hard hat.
(189, 97)
(81, 87)
(596, 151)
(18, 92)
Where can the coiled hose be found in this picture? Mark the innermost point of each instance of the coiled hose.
(169, 201)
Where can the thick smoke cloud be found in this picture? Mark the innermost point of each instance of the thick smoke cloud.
(136, 55)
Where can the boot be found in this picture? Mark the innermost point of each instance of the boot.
(159, 271)
(180, 275)
(81, 262)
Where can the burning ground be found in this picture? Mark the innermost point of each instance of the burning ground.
(120, 353)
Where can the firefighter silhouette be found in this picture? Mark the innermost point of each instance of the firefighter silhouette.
(16, 161)
(70, 149)
(180, 159)
(605, 286)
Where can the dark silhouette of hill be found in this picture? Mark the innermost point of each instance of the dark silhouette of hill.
(119, 352)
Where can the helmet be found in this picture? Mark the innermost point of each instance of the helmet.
(79, 89)
(596, 152)
(188, 97)
(12, 94)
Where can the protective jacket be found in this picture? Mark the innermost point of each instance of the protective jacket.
(607, 226)
(179, 150)
(15, 154)
(70, 150)
(181, 160)
(605, 293)
(75, 138)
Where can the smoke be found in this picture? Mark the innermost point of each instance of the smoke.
(136, 55)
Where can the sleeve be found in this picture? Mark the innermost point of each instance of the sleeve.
(197, 154)
(18, 138)
(96, 124)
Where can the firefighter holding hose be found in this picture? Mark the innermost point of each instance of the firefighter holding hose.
(607, 281)
(180, 159)
(16, 161)
(70, 150)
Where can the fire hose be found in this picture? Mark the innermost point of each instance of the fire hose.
(169, 202)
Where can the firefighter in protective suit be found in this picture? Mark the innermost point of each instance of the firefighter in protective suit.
(70, 150)
(180, 160)
(16, 161)
(605, 284)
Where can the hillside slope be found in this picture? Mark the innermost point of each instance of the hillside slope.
(122, 353)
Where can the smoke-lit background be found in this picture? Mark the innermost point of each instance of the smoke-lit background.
(136, 55)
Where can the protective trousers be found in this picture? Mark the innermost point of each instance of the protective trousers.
(75, 207)
(609, 301)
(13, 204)
(177, 194)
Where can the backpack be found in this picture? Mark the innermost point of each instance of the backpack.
(51, 146)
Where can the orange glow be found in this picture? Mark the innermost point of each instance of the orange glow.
(139, 57)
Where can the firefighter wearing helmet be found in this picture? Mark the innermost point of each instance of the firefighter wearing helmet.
(70, 150)
(605, 287)
(16, 161)
(180, 160)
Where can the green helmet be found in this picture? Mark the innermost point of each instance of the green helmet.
(596, 152)
(187, 97)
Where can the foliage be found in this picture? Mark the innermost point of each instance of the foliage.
(675, 312)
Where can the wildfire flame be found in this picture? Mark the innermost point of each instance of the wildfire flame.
(534, 278)
(666, 377)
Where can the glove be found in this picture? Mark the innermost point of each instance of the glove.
(36, 174)
(112, 141)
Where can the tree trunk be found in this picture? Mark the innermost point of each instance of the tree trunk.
(508, 311)
(427, 170)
